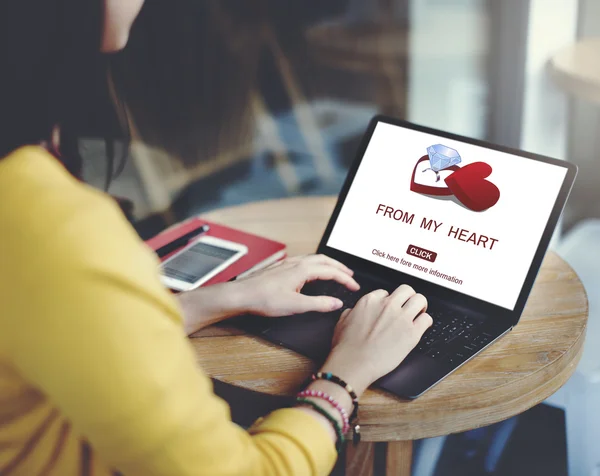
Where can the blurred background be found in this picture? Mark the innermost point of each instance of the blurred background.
(296, 83)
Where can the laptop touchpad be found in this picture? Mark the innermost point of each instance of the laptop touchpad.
(309, 334)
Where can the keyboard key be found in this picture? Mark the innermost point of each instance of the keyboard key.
(421, 348)
(435, 353)
(455, 358)
(481, 342)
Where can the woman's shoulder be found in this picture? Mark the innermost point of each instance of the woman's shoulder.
(49, 211)
(63, 242)
(31, 179)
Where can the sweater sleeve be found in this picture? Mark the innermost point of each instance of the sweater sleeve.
(103, 340)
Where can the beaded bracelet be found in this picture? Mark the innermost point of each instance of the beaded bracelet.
(338, 381)
(336, 425)
(333, 402)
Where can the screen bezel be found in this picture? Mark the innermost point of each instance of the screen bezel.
(459, 299)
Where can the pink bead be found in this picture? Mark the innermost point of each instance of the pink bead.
(335, 404)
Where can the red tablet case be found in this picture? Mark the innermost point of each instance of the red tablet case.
(261, 251)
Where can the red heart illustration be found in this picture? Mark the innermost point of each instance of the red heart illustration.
(427, 189)
(470, 186)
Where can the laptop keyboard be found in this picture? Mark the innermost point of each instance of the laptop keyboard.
(453, 337)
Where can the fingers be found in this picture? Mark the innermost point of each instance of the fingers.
(423, 322)
(304, 303)
(401, 296)
(415, 305)
(322, 259)
(378, 293)
(326, 272)
(345, 314)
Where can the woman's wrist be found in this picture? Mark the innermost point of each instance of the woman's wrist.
(331, 398)
(249, 296)
(350, 369)
(207, 306)
(341, 396)
(336, 400)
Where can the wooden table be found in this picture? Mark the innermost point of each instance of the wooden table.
(520, 371)
(576, 69)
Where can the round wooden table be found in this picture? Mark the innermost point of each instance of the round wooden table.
(521, 370)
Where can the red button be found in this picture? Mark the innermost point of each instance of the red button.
(421, 253)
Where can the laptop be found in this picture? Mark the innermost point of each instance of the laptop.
(464, 222)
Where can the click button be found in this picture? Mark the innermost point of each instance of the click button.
(421, 253)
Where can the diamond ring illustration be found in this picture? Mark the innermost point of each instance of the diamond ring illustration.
(440, 158)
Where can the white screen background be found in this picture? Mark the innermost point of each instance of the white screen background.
(528, 191)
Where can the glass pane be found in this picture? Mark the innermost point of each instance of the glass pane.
(232, 102)
(277, 104)
(449, 50)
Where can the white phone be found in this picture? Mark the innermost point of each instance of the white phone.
(199, 261)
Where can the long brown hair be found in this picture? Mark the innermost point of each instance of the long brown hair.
(188, 73)
(52, 74)
(186, 76)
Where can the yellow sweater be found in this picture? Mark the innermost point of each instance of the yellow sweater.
(96, 374)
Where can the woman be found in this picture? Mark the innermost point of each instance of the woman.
(96, 373)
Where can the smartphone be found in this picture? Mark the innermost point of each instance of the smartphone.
(199, 261)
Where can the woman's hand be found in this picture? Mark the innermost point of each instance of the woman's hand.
(272, 292)
(275, 291)
(372, 339)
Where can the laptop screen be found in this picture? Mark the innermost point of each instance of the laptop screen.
(458, 215)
